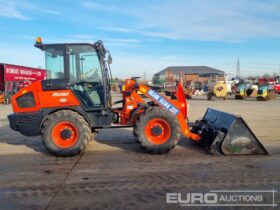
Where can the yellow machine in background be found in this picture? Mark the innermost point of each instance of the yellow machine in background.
(244, 91)
(265, 93)
(219, 90)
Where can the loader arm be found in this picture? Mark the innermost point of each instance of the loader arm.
(176, 107)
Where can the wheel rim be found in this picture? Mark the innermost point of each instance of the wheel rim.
(64, 134)
(157, 131)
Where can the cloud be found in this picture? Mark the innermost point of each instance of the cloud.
(49, 11)
(78, 38)
(26, 55)
(91, 5)
(13, 9)
(46, 39)
(213, 20)
(119, 29)
(98, 6)
(165, 35)
(108, 41)
(126, 66)
(122, 40)
(83, 37)
(10, 12)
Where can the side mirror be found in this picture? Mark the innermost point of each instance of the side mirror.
(110, 59)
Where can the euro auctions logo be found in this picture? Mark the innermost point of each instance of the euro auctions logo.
(224, 198)
(192, 198)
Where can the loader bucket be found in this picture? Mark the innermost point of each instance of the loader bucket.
(224, 133)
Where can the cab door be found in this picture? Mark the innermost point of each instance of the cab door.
(88, 82)
(86, 76)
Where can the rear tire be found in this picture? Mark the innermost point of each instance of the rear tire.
(157, 130)
(77, 133)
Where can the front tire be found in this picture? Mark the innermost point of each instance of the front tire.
(65, 133)
(157, 130)
(135, 135)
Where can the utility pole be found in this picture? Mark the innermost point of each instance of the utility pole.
(144, 75)
(238, 75)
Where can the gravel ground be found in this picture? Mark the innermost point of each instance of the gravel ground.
(115, 173)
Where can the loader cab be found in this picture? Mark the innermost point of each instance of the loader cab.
(84, 67)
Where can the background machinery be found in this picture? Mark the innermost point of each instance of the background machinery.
(170, 90)
(75, 101)
(218, 89)
(265, 93)
(240, 92)
(266, 90)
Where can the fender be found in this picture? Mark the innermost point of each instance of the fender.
(134, 114)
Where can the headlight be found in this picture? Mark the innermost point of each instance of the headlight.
(26, 100)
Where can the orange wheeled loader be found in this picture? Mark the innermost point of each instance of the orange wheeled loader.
(75, 101)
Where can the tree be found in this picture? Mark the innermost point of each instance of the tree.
(155, 79)
(266, 76)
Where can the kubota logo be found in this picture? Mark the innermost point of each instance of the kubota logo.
(60, 94)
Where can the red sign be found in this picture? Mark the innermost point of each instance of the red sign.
(13, 73)
(266, 81)
(277, 88)
(1, 80)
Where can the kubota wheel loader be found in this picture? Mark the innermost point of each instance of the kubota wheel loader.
(75, 101)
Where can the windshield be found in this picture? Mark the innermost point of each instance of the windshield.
(54, 58)
(84, 64)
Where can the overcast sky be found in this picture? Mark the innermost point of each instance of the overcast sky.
(147, 36)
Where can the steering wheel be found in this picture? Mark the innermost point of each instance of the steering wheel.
(90, 86)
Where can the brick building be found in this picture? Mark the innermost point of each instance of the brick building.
(198, 74)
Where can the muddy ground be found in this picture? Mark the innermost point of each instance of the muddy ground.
(115, 173)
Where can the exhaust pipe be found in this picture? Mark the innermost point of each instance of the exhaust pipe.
(227, 134)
